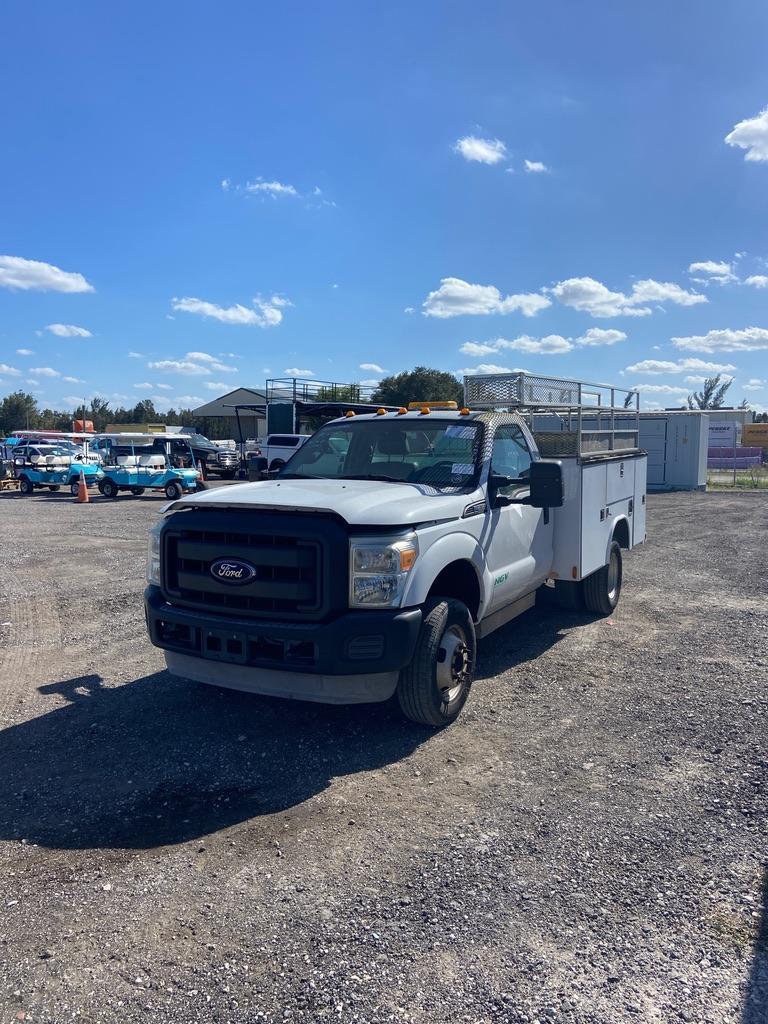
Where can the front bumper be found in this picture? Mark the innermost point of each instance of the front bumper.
(357, 643)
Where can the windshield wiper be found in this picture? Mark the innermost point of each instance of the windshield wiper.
(300, 476)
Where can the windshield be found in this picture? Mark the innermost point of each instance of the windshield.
(441, 454)
(199, 441)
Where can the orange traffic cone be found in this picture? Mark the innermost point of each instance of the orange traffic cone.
(82, 490)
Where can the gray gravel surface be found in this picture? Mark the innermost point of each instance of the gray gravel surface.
(586, 844)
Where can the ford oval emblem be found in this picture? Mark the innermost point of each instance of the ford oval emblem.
(232, 570)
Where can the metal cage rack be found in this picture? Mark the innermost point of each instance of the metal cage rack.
(567, 417)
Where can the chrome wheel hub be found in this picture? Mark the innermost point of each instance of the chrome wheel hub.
(454, 663)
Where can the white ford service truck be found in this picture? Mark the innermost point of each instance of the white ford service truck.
(391, 542)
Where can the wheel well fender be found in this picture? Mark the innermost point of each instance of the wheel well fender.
(452, 567)
(621, 532)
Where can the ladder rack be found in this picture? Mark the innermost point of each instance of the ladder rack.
(567, 417)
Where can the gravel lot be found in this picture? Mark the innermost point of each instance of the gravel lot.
(587, 843)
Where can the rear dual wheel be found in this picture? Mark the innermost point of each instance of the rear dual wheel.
(603, 588)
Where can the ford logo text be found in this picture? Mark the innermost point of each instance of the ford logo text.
(232, 570)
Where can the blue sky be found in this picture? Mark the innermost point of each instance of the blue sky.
(351, 188)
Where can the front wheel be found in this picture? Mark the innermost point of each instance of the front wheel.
(173, 490)
(434, 688)
(109, 489)
(74, 487)
(601, 589)
(137, 491)
(26, 486)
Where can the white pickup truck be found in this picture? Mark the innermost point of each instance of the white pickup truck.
(391, 542)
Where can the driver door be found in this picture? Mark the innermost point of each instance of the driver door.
(518, 547)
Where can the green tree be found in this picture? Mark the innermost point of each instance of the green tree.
(711, 395)
(421, 384)
(100, 414)
(18, 411)
(145, 412)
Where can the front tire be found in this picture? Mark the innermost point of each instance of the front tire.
(109, 489)
(74, 487)
(137, 491)
(434, 687)
(173, 490)
(602, 589)
(26, 486)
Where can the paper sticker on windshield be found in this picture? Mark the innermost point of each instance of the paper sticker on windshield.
(460, 431)
(462, 469)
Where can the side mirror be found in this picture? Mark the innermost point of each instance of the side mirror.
(546, 485)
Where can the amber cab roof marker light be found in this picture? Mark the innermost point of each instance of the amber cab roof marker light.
(432, 405)
(349, 414)
(381, 412)
(465, 411)
(402, 411)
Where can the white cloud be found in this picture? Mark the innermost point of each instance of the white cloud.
(757, 281)
(695, 379)
(275, 189)
(265, 312)
(409, 309)
(752, 135)
(374, 367)
(72, 401)
(470, 371)
(295, 371)
(679, 366)
(214, 385)
(714, 271)
(9, 371)
(660, 389)
(483, 151)
(146, 386)
(455, 297)
(164, 387)
(748, 339)
(68, 331)
(474, 348)
(44, 371)
(593, 297)
(755, 384)
(193, 364)
(598, 336)
(30, 380)
(24, 352)
(552, 344)
(184, 400)
(371, 382)
(135, 355)
(536, 167)
(73, 380)
(19, 274)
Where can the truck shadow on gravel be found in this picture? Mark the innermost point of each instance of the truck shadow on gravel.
(161, 761)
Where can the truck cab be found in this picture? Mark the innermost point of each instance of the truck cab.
(385, 548)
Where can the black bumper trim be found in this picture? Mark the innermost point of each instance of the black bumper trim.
(317, 648)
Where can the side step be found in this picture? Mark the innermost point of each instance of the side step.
(505, 615)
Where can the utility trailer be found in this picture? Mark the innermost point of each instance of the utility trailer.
(392, 542)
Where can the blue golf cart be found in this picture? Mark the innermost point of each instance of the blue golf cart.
(51, 466)
(139, 462)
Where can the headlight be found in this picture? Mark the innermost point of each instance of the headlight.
(378, 572)
(153, 555)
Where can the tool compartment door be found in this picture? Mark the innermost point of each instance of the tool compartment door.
(638, 502)
(595, 525)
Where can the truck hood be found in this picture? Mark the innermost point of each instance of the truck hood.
(358, 502)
